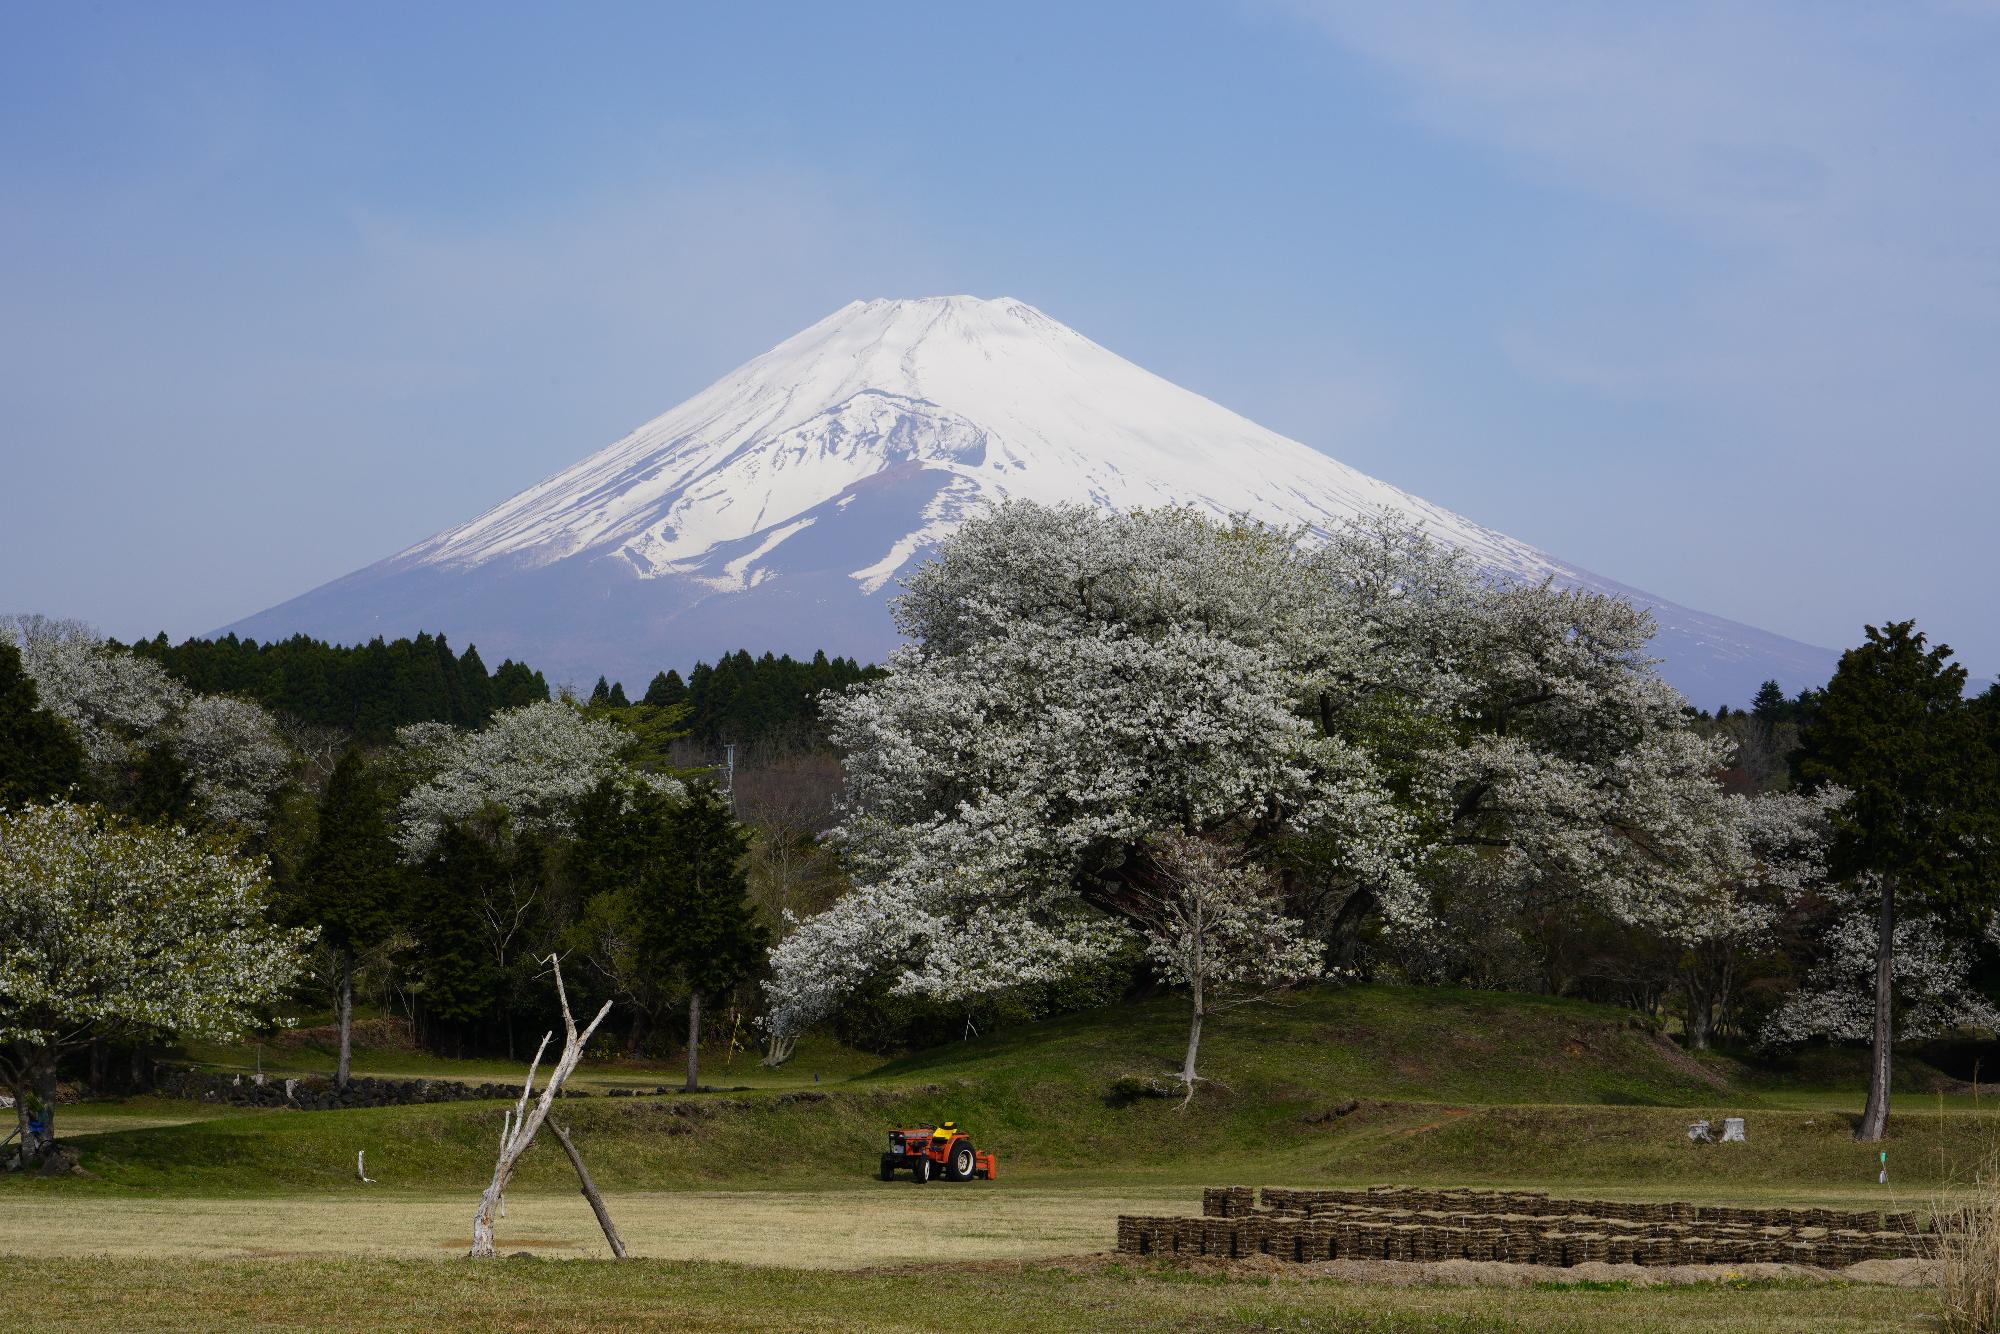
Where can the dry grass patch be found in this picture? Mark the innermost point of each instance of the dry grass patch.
(796, 1229)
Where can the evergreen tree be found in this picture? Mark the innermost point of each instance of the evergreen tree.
(477, 687)
(459, 979)
(1920, 830)
(617, 699)
(666, 689)
(515, 684)
(39, 757)
(692, 912)
(351, 885)
(601, 696)
(1770, 704)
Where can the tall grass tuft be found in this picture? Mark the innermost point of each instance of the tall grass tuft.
(1964, 1248)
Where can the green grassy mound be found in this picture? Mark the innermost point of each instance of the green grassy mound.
(1326, 1086)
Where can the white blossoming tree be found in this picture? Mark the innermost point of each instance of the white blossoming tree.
(1775, 848)
(117, 703)
(124, 708)
(517, 781)
(107, 927)
(1933, 990)
(1217, 927)
(1359, 713)
(234, 759)
(535, 763)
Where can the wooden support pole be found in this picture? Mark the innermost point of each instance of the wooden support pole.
(589, 1189)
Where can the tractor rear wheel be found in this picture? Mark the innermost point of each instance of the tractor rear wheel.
(888, 1167)
(963, 1160)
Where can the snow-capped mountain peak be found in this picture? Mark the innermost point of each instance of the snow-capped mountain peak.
(776, 507)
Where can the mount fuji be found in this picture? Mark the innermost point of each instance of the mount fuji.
(776, 508)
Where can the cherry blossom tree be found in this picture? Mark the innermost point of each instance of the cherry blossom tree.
(125, 709)
(1359, 713)
(1217, 927)
(1933, 991)
(109, 927)
(534, 763)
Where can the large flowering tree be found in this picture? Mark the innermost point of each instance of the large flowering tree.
(109, 927)
(127, 713)
(1359, 715)
(534, 763)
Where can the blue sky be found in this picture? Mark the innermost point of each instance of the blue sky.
(1705, 298)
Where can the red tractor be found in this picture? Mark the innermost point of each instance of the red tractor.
(937, 1151)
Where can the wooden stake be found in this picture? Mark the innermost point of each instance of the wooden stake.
(589, 1188)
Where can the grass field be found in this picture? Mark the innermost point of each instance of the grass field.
(261, 1210)
(534, 1294)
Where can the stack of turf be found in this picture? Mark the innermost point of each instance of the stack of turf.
(1519, 1227)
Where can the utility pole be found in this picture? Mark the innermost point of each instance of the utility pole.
(729, 774)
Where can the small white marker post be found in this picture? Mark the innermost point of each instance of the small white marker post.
(1882, 1177)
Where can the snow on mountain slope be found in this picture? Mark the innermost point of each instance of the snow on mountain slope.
(776, 508)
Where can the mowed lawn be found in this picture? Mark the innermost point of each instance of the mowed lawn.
(536, 1294)
(759, 1210)
(835, 1228)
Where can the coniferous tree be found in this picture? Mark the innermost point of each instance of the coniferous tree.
(693, 917)
(351, 885)
(459, 979)
(1919, 831)
(617, 698)
(516, 684)
(477, 687)
(39, 757)
(601, 695)
(666, 688)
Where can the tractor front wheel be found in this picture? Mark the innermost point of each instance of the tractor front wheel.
(924, 1168)
(888, 1167)
(962, 1161)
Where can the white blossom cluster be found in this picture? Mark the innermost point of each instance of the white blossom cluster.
(231, 750)
(1933, 993)
(116, 703)
(106, 926)
(122, 706)
(1218, 927)
(1362, 709)
(533, 763)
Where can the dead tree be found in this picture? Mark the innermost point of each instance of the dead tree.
(589, 1189)
(521, 1122)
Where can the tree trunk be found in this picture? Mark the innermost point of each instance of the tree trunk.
(17, 1087)
(1188, 1075)
(1193, 1046)
(589, 1189)
(45, 1094)
(1875, 1115)
(694, 1041)
(1700, 1011)
(346, 1019)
